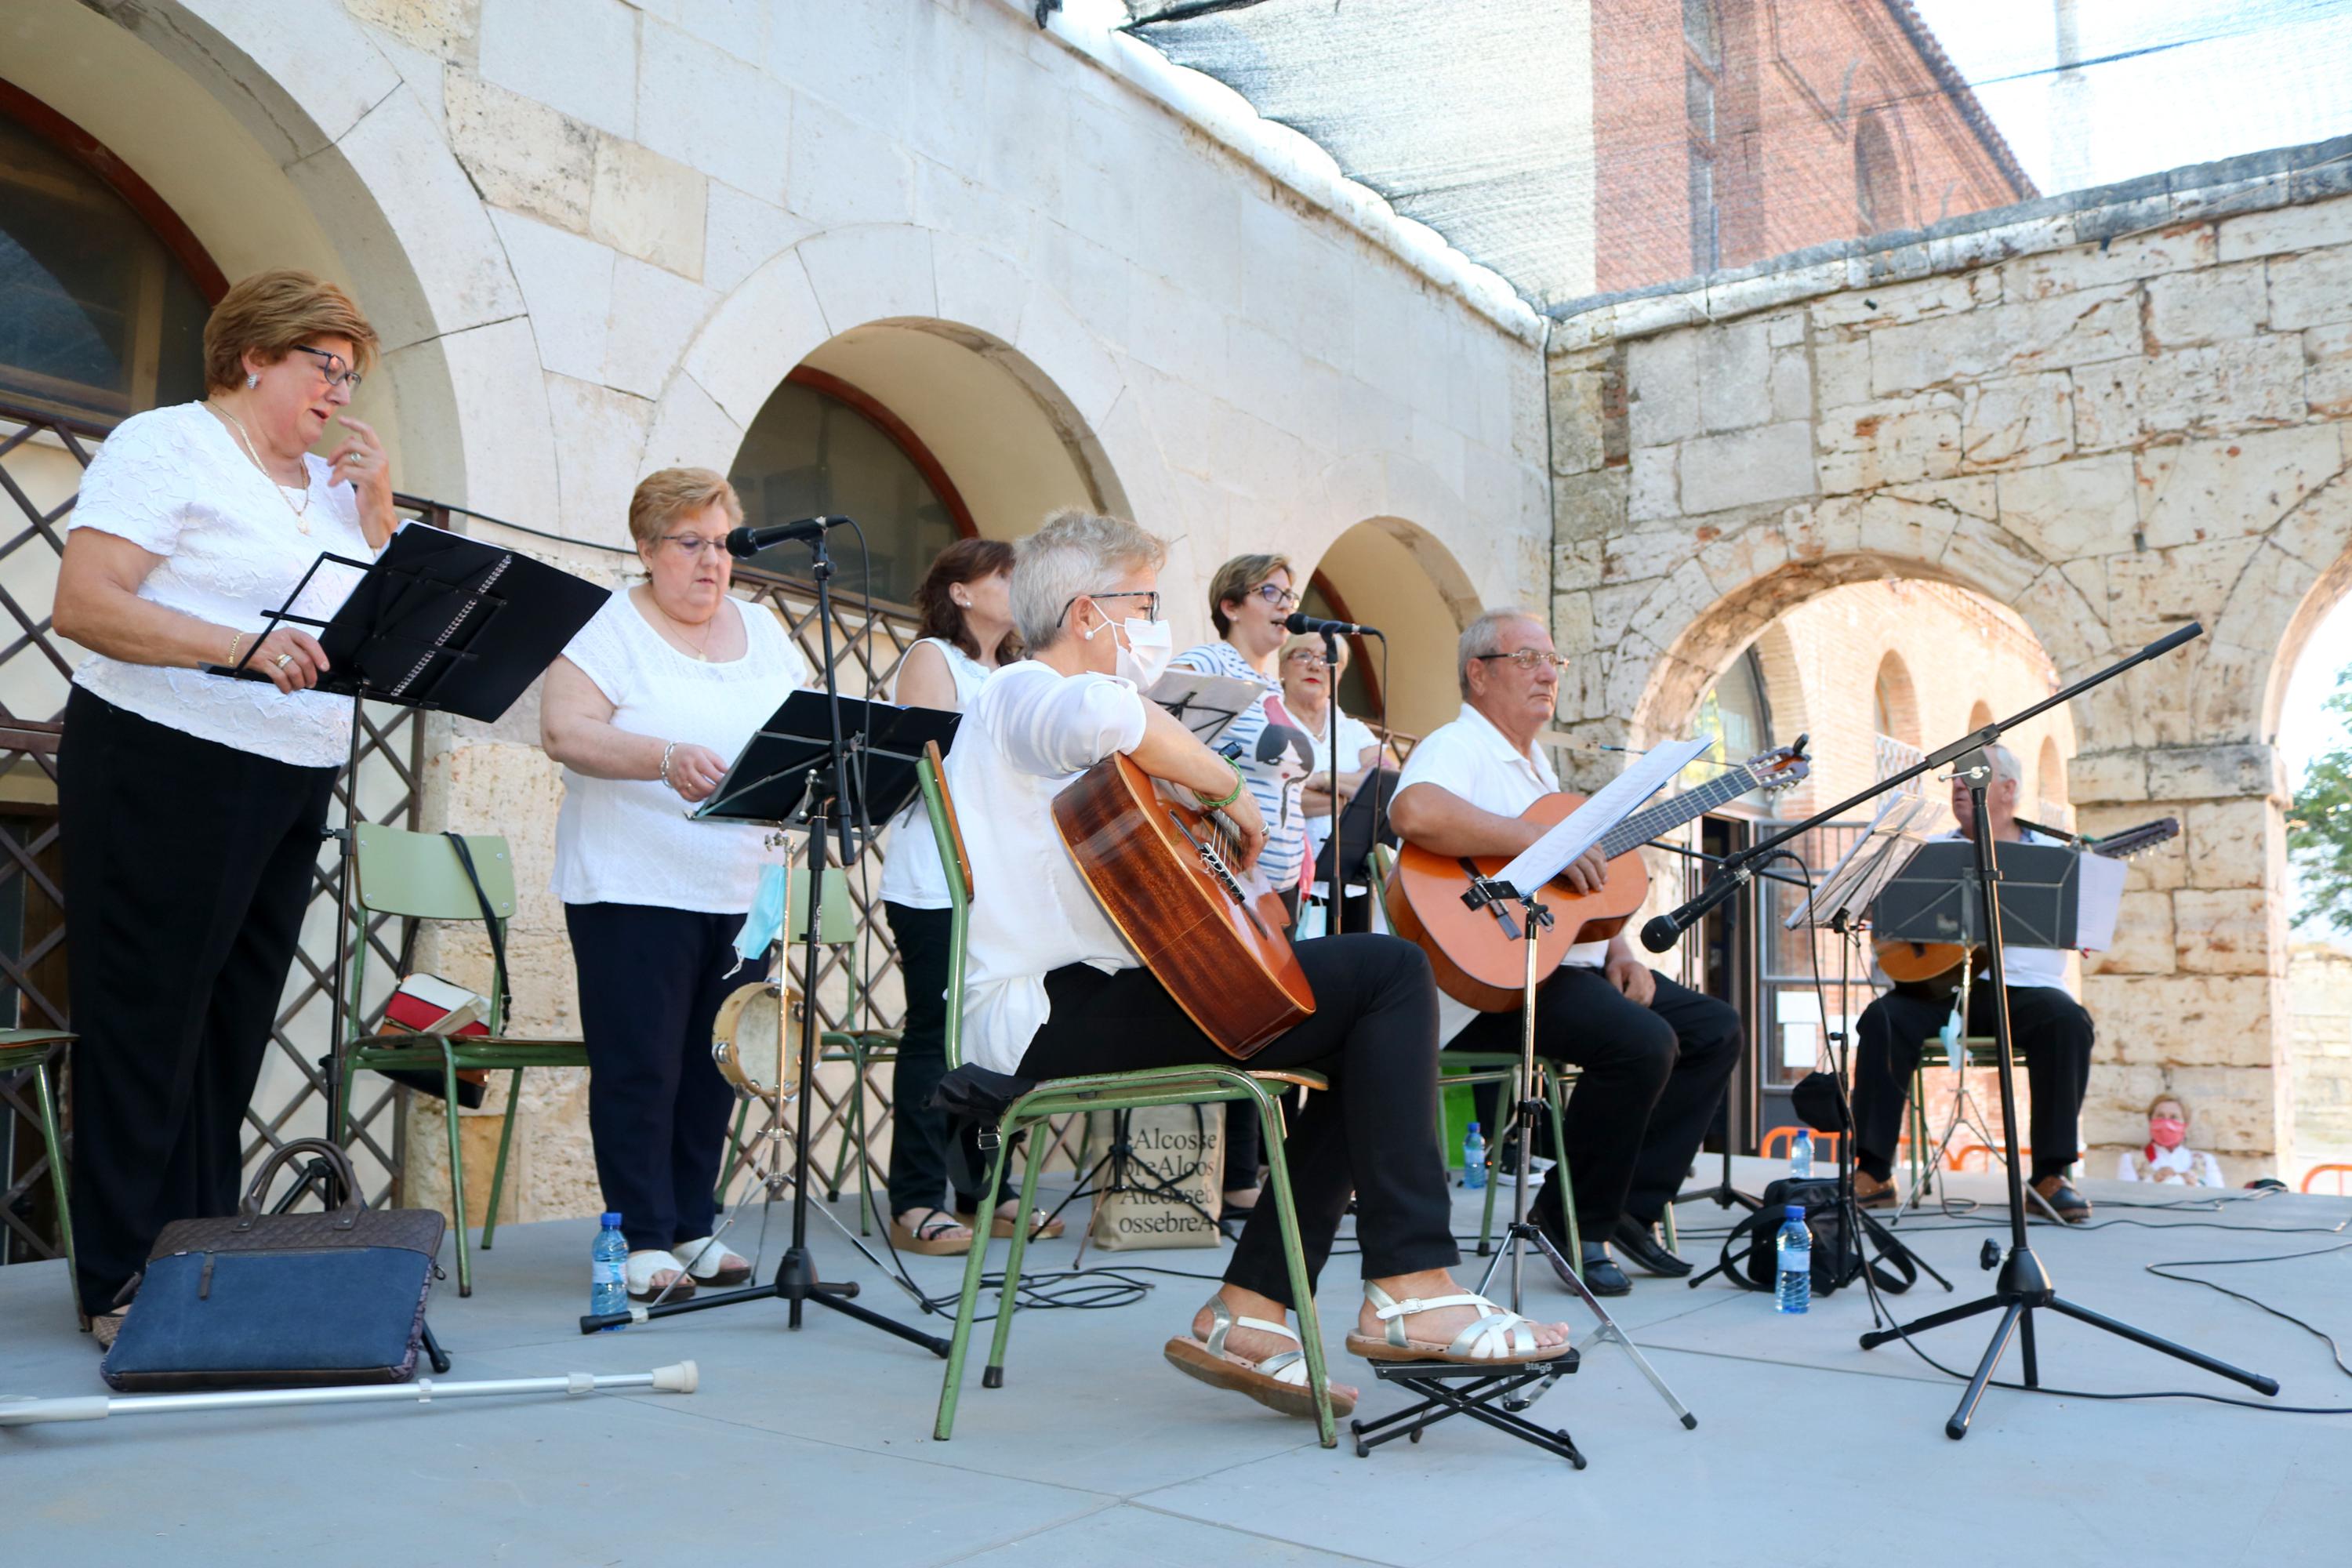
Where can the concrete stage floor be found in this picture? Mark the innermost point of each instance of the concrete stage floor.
(816, 1449)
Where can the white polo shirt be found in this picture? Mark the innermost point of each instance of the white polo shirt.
(1474, 760)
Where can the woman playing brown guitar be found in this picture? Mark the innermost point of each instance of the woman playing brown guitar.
(1054, 989)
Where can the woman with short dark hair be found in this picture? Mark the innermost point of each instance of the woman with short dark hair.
(191, 804)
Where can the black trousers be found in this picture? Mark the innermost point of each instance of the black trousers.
(919, 1171)
(651, 984)
(1650, 1080)
(2050, 1029)
(1373, 1033)
(1244, 1151)
(187, 866)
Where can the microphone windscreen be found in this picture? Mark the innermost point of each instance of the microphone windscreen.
(1660, 934)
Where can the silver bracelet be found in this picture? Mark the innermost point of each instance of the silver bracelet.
(664, 767)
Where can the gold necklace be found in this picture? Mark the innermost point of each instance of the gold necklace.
(701, 652)
(245, 438)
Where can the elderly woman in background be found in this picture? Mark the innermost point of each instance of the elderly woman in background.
(191, 804)
(1310, 689)
(2167, 1156)
(645, 709)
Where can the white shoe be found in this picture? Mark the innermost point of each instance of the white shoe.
(709, 1263)
(654, 1263)
(1509, 1175)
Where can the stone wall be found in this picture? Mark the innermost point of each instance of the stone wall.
(2113, 414)
(2319, 1000)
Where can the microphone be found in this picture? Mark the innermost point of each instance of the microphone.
(750, 542)
(1664, 930)
(1302, 625)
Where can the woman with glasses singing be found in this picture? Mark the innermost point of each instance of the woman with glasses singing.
(645, 709)
(191, 804)
(1249, 598)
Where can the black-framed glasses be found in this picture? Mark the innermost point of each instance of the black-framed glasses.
(1150, 596)
(1528, 657)
(333, 366)
(1275, 594)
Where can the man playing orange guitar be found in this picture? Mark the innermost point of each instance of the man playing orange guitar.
(1655, 1056)
(2048, 1027)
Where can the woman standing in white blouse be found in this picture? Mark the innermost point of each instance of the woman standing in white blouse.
(190, 805)
(645, 709)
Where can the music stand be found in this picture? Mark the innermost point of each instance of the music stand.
(440, 623)
(1522, 883)
(1363, 822)
(804, 769)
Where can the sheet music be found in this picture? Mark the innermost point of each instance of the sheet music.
(1586, 826)
(1894, 835)
(2098, 899)
(1205, 703)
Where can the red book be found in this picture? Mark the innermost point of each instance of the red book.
(428, 1004)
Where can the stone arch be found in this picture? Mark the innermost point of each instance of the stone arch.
(271, 162)
(1898, 701)
(937, 330)
(1980, 714)
(1395, 574)
(2050, 774)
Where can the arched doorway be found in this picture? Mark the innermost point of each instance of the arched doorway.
(1387, 573)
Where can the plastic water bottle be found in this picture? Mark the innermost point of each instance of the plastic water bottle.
(1795, 1246)
(608, 1270)
(1800, 1155)
(1474, 1159)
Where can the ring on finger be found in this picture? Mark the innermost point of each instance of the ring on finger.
(284, 659)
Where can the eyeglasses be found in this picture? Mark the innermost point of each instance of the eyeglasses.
(1273, 594)
(337, 370)
(692, 545)
(1149, 597)
(1528, 658)
(1308, 658)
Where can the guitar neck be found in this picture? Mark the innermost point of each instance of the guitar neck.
(1646, 825)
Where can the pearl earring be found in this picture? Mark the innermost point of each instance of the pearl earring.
(251, 381)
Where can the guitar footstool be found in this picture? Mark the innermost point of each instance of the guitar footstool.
(1453, 1388)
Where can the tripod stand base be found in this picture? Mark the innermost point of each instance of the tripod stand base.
(795, 1282)
(2024, 1286)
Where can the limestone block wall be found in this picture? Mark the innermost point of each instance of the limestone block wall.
(2319, 1000)
(2115, 413)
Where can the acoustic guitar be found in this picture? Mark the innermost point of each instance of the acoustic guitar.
(1164, 872)
(1923, 963)
(1481, 965)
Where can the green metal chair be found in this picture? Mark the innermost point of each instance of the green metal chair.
(32, 1050)
(1980, 1051)
(417, 875)
(1209, 1083)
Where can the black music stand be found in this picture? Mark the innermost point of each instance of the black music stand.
(1360, 825)
(805, 770)
(440, 623)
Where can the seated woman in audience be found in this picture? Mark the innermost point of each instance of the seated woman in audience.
(1052, 990)
(2167, 1156)
(1310, 688)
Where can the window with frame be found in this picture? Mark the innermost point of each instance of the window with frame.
(820, 447)
(97, 317)
(1877, 177)
(1702, 77)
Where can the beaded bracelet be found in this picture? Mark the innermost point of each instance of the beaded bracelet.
(664, 765)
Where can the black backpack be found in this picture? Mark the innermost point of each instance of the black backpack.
(1752, 1262)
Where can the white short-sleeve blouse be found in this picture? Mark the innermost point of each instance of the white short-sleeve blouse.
(175, 482)
(911, 873)
(630, 841)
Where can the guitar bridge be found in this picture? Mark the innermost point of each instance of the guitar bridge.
(1212, 862)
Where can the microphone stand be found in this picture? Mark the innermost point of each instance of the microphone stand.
(2023, 1283)
(1334, 894)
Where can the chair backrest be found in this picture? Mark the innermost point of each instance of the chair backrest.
(417, 875)
(931, 773)
(2316, 1170)
(840, 918)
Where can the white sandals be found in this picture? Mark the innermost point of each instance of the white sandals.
(708, 1262)
(642, 1268)
(1500, 1337)
(1278, 1381)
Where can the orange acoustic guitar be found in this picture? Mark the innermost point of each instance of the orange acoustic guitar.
(1162, 870)
(1918, 962)
(1481, 966)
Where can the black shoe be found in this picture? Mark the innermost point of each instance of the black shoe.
(1639, 1242)
(1602, 1275)
(2060, 1194)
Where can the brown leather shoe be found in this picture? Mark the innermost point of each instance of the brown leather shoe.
(106, 1325)
(2072, 1206)
(1870, 1192)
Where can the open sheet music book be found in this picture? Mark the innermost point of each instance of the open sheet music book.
(1894, 835)
(1205, 703)
(1589, 823)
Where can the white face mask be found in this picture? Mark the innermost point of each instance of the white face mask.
(1150, 646)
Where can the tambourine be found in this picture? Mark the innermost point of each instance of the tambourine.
(753, 1052)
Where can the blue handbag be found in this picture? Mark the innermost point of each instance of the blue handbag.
(281, 1301)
